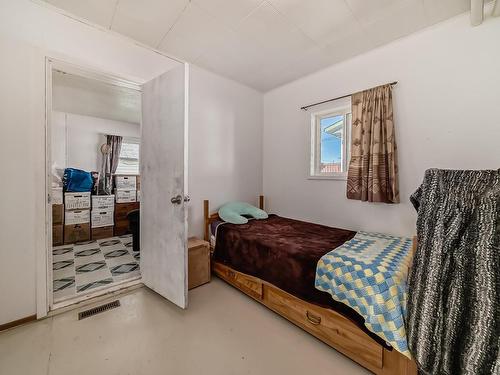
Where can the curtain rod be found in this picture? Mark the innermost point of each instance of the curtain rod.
(305, 108)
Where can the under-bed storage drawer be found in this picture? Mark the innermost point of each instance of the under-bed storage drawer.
(248, 284)
(325, 324)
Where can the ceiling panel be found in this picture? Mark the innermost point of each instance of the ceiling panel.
(277, 35)
(369, 11)
(96, 11)
(439, 10)
(147, 21)
(400, 19)
(193, 33)
(230, 12)
(324, 21)
(234, 56)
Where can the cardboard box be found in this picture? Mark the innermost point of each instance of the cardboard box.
(57, 234)
(57, 214)
(77, 201)
(76, 233)
(125, 182)
(102, 232)
(103, 202)
(125, 196)
(76, 217)
(102, 218)
(57, 195)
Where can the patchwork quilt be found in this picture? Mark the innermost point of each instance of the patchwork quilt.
(369, 273)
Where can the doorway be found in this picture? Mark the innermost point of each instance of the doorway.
(121, 226)
(94, 145)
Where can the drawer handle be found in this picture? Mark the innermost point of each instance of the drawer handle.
(313, 319)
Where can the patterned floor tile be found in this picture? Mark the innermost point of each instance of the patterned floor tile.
(127, 276)
(85, 246)
(62, 264)
(90, 267)
(89, 277)
(87, 252)
(63, 273)
(63, 283)
(94, 284)
(96, 258)
(127, 258)
(115, 253)
(63, 256)
(110, 242)
(60, 250)
(124, 268)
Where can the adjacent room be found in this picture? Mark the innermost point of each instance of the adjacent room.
(95, 147)
(257, 187)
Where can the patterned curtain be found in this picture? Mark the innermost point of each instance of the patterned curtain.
(110, 162)
(373, 169)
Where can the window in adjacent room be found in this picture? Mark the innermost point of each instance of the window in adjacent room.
(128, 162)
(330, 140)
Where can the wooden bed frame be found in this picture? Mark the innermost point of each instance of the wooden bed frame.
(325, 324)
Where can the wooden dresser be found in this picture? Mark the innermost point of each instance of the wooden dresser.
(121, 212)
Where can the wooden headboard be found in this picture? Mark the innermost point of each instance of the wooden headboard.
(210, 218)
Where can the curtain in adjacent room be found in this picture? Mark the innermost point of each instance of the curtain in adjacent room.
(110, 161)
(373, 169)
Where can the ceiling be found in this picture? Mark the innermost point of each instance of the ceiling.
(89, 97)
(264, 44)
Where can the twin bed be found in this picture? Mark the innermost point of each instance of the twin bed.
(277, 262)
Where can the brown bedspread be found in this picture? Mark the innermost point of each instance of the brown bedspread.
(283, 252)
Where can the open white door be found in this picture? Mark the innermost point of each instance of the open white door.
(163, 185)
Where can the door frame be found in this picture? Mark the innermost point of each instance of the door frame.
(44, 301)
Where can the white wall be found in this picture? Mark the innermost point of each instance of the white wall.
(28, 33)
(76, 139)
(446, 113)
(225, 144)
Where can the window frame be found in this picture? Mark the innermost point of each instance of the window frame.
(131, 140)
(315, 142)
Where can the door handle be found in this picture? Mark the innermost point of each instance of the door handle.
(186, 198)
(176, 200)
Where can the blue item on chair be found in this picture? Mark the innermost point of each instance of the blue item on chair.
(76, 180)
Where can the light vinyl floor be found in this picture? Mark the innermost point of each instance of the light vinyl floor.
(222, 332)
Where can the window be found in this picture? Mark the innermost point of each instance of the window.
(128, 162)
(330, 141)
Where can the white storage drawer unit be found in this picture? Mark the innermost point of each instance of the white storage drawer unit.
(76, 217)
(102, 218)
(77, 201)
(125, 182)
(103, 202)
(125, 196)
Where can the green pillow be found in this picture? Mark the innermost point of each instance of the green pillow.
(232, 212)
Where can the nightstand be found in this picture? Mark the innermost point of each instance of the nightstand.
(198, 262)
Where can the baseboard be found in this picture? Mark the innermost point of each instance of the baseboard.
(17, 322)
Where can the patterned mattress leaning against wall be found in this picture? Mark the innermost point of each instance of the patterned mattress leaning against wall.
(369, 274)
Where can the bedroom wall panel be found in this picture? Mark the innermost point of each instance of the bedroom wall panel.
(446, 113)
(225, 144)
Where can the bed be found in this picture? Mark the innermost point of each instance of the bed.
(280, 274)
